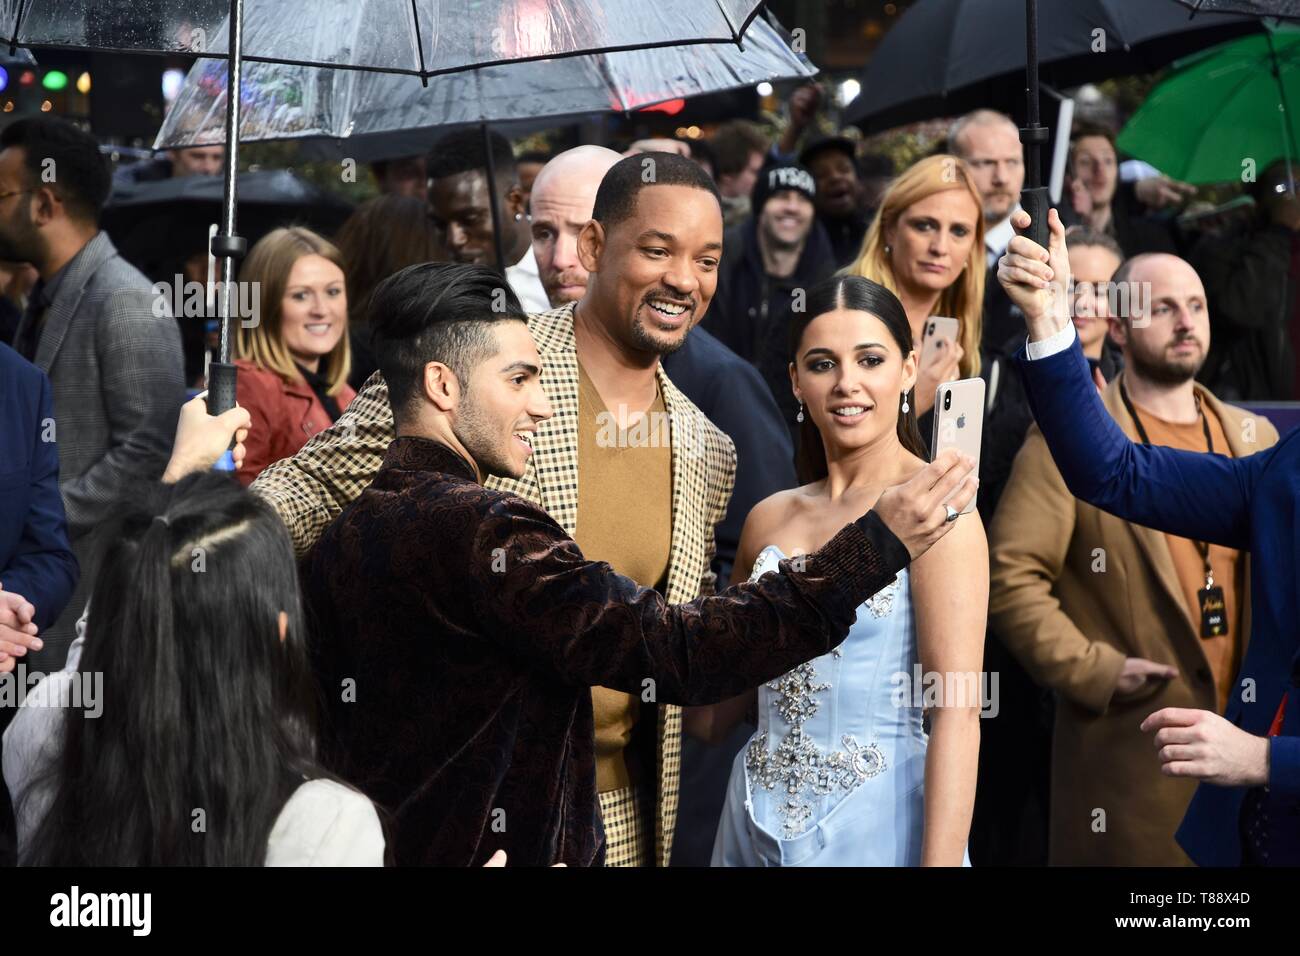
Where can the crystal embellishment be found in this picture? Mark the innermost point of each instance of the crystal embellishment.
(797, 764)
(881, 603)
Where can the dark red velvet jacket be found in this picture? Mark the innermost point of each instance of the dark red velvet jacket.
(457, 632)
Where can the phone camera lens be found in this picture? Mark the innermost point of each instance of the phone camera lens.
(947, 400)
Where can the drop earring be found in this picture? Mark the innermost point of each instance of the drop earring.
(906, 407)
(799, 417)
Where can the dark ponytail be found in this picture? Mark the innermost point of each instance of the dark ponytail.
(862, 295)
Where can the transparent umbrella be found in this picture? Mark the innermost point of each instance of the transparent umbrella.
(423, 38)
(417, 37)
(371, 116)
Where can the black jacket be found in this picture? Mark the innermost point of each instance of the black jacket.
(1252, 306)
(751, 311)
(730, 392)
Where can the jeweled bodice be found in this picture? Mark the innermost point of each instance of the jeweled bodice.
(837, 721)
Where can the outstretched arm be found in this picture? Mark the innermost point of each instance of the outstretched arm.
(531, 589)
(1162, 488)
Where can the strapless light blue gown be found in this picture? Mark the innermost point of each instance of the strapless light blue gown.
(835, 773)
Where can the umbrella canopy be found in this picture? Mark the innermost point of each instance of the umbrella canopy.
(1286, 9)
(416, 37)
(1220, 109)
(945, 57)
(370, 116)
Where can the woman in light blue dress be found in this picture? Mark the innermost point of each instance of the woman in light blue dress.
(841, 770)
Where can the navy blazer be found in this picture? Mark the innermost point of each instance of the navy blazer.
(1245, 503)
(36, 559)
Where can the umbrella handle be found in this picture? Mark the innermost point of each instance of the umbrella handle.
(1037, 200)
(221, 398)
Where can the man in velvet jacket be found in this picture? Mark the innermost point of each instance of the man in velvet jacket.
(458, 629)
(1247, 807)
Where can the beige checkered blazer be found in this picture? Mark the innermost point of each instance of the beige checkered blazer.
(330, 471)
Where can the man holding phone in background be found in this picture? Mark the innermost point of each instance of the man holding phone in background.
(1106, 613)
(1247, 809)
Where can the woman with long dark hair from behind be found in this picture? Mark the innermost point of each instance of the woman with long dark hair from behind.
(203, 751)
(841, 770)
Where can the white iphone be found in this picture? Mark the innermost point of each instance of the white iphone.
(959, 421)
(937, 327)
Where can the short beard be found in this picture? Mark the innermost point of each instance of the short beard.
(644, 340)
(1163, 372)
(24, 246)
(993, 218)
(474, 432)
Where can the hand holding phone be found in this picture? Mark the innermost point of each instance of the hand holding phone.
(959, 421)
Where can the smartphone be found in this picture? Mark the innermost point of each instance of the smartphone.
(959, 421)
(937, 327)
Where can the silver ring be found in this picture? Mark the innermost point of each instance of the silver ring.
(952, 513)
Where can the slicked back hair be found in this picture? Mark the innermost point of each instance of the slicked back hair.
(617, 196)
(436, 312)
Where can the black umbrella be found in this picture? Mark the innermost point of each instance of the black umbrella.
(1283, 9)
(159, 223)
(945, 57)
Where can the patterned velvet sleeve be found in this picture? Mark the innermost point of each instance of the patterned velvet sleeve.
(532, 590)
(330, 471)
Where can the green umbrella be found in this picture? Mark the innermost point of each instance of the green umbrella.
(1223, 114)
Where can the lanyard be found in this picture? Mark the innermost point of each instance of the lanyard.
(1201, 546)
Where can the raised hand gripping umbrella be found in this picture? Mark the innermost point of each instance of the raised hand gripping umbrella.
(421, 38)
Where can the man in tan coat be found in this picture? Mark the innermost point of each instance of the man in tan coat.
(1118, 619)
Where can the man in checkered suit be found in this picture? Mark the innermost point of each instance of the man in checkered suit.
(652, 252)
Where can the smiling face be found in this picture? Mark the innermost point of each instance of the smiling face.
(839, 190)
(313, 310)
(786, 219)
(654, 273)
(502, 403)
(932, 240)
(851, 375)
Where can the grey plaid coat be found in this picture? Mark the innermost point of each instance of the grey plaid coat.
(310, 489)
(113, 356)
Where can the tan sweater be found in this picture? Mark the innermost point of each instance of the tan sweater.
(625, 492)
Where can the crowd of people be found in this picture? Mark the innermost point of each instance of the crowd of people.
(599, 521)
